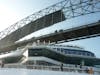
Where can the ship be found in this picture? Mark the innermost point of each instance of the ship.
(51, 59)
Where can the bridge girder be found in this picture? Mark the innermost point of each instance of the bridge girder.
(78, 33)
(69, 9)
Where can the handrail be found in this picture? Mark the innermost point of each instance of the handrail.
(54, 68)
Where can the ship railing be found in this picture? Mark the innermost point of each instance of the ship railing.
(53, 68)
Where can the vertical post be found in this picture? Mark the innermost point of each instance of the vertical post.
(35, 62)
(83, 62)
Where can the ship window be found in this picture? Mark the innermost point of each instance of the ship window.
(88, 54)
(83, 53)
(69, 52)
(92, 55)
(74, 52)
(79, 53)
(34, 52)
(66, 52)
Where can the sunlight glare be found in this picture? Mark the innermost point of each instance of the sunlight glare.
(7, 17)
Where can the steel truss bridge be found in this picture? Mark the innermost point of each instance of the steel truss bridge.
(49, 16)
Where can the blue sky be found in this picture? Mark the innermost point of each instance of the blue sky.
(12, 11)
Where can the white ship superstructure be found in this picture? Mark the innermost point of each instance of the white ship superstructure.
(50, 57)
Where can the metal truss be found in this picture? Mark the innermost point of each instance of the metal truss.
(70, 8)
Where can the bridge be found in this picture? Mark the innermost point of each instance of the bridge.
(72, 34)
(49, 16)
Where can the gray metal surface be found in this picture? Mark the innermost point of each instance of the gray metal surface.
(68, 9)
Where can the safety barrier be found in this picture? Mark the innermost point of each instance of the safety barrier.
(90, 70)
